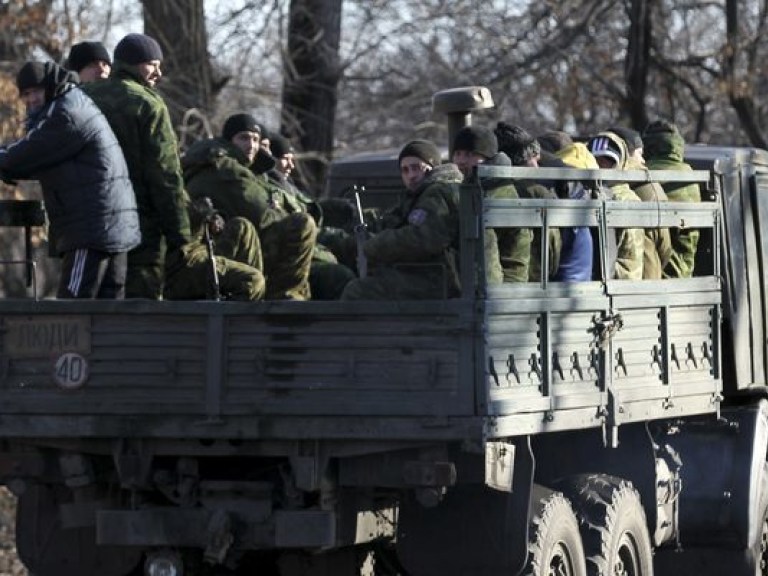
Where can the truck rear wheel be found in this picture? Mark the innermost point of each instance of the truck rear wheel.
(613, 526)
(555, 547)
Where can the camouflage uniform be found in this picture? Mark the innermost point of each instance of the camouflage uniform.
(415, 254)
(658, 245)
(140, 120)
(238, 265)
(219, 170)
(327, 277)
(664, 148)
(630, 241)
(507, 250)
(537, 191)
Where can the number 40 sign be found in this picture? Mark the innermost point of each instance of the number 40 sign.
(70, 371)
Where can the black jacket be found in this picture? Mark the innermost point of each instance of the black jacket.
(73, 152)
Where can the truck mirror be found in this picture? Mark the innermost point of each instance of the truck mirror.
(458, 104)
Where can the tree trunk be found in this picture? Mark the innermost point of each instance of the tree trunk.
(636, 62)
(740, 81)
(187, 85)
(310, 84)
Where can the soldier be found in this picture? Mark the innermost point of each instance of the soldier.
(664, 149)
(221, 168)
(507, 250)
(414, 256)
(524, 150)
(327, 277)
(88, 196)
(90, 60)
(611, 153)
(658, 244)
(142, 124)
(577, 247)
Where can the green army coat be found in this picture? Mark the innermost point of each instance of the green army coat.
(140, 120)
(219, 170)
(664, 150)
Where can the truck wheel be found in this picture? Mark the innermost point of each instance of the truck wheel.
(554, 546)
(613, 526)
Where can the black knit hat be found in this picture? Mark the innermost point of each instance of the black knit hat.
(422, 149)
(477, 139)
(517, 143)
(54, 79)
(631, 137)
(84, 53)
(279, 145)
(138, 48)
(554, 140)
(31, 75)
(239, 123)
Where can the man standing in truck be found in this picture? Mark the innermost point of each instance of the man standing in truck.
(664, 148)
(414, 256)
(89, 199)
(169, 253)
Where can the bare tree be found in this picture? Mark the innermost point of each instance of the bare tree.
(180, 28)
(311, 78)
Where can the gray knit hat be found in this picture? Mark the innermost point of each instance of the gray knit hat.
(477, 139)
(422, 149)
(138, 48)
(517, 143)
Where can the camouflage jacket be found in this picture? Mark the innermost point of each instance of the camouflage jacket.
(658, 244)
(664, 151)
(219, 170)
(140, 120)
(424, 227)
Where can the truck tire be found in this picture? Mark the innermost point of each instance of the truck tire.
(613, 525)
(759, 550)
(554, 544)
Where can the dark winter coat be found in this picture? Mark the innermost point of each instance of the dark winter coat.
(72, 151)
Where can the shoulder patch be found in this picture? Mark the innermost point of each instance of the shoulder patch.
(417, 217)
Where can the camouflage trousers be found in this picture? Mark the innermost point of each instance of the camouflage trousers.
(144, 278)
(189, 275)
(288, 245)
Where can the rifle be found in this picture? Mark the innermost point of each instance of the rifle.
(360, 236)
(206, 210)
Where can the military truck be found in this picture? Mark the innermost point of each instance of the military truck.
(604, 427)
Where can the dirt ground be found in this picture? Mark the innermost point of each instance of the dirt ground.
(9, 562)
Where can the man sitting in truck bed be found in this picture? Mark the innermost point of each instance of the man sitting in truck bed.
(414, 256)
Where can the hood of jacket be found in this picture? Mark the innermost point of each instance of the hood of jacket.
(443, 173)
(577, 155)
(57, 81)
(662, 139)
(618, 143)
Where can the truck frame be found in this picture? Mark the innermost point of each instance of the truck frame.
(605, 427)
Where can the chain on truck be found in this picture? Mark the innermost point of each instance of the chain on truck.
(606, 427)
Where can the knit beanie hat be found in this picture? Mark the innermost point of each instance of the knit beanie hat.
(631, 137)
(47, 75)
(280, 145)
(84, 53)
(477, 139)
(138, 48)
(601, 145)
(422, 149)
(517, 143)
(554, 140)
(31, 75)
(239, 123)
